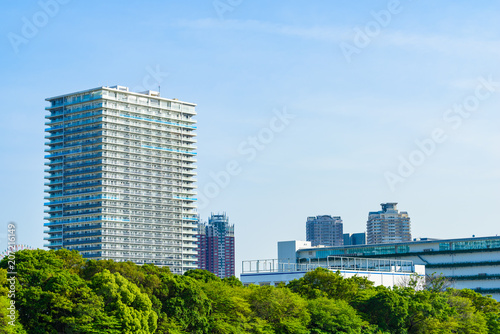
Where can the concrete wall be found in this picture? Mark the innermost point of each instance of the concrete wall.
(388, 279)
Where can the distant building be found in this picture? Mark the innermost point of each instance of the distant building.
(388, 225)
(216, 246)
(324, 230)
(354, 239)
(288, 249)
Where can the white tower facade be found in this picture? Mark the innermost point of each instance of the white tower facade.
(121, 180)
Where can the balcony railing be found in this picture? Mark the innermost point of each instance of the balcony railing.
(333, 263)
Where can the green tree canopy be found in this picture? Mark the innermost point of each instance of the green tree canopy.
(334, 316)
(125, 302)
(284, 310)
(322, 282)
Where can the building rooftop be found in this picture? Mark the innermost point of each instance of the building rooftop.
(124, 89)
(422, 246)
(333, 263)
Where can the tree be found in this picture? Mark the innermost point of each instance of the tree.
(61, 302)
(184, 303)
(437, 283)
(5, 303)
(487, 305)
(284, 310)
(124, 301)
(202, 275)
(334, 316)
(52, 298)
(232, 281)
(428, 312)
(469, 320)
(323, 282)
(230, 312)
(385, 308)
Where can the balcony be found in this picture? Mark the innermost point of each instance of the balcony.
(54, 135)
(68, 237)
(69, 152)
(82, 178)
(76, 101)
(83, 206)
(92, 255)
(87, 212)
(53, 237)
(85, 157)
(88, 135)
(80, 249)
(56, 174)
(80, 228)
(69, 117)
(84, 164)
(93, 241)
(52, 224)
(70, 221)
(54, 161)
(55, 127)
(53, 182)
(83, 129)
(83, 171)
(54, 141)
(54, 244)
(52, 216)
(79, 199)
(53, 210)
(53, 230)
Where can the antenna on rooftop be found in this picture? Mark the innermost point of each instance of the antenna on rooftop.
(159, 90)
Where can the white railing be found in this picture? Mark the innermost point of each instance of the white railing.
(332, 263)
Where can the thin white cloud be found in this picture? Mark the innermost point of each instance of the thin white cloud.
(441, 43)
(424, 42)
(326, 34)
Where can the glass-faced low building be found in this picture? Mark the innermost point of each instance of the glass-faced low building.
(472, 263)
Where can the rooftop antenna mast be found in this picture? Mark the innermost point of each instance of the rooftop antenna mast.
(159, 90)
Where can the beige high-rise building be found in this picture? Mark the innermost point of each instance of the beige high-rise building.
(325, 230)
(388, 225)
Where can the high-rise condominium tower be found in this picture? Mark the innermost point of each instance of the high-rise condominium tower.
(388, 225)
(324, 230)
(216, 246)
(121, 177)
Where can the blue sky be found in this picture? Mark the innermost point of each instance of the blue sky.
(353, 119)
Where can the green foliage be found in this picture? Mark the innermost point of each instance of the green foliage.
(6, 320)
(285, 311)
(125, 302)
(465, 315)
(322, 282)
(183, 300)
(230, 311)
(437, 283)
(385, 308)
(232, 281)
(202, 275)
(488, 306)
(51, 298)
(60, 292)
(334, 316)
(428, 312)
